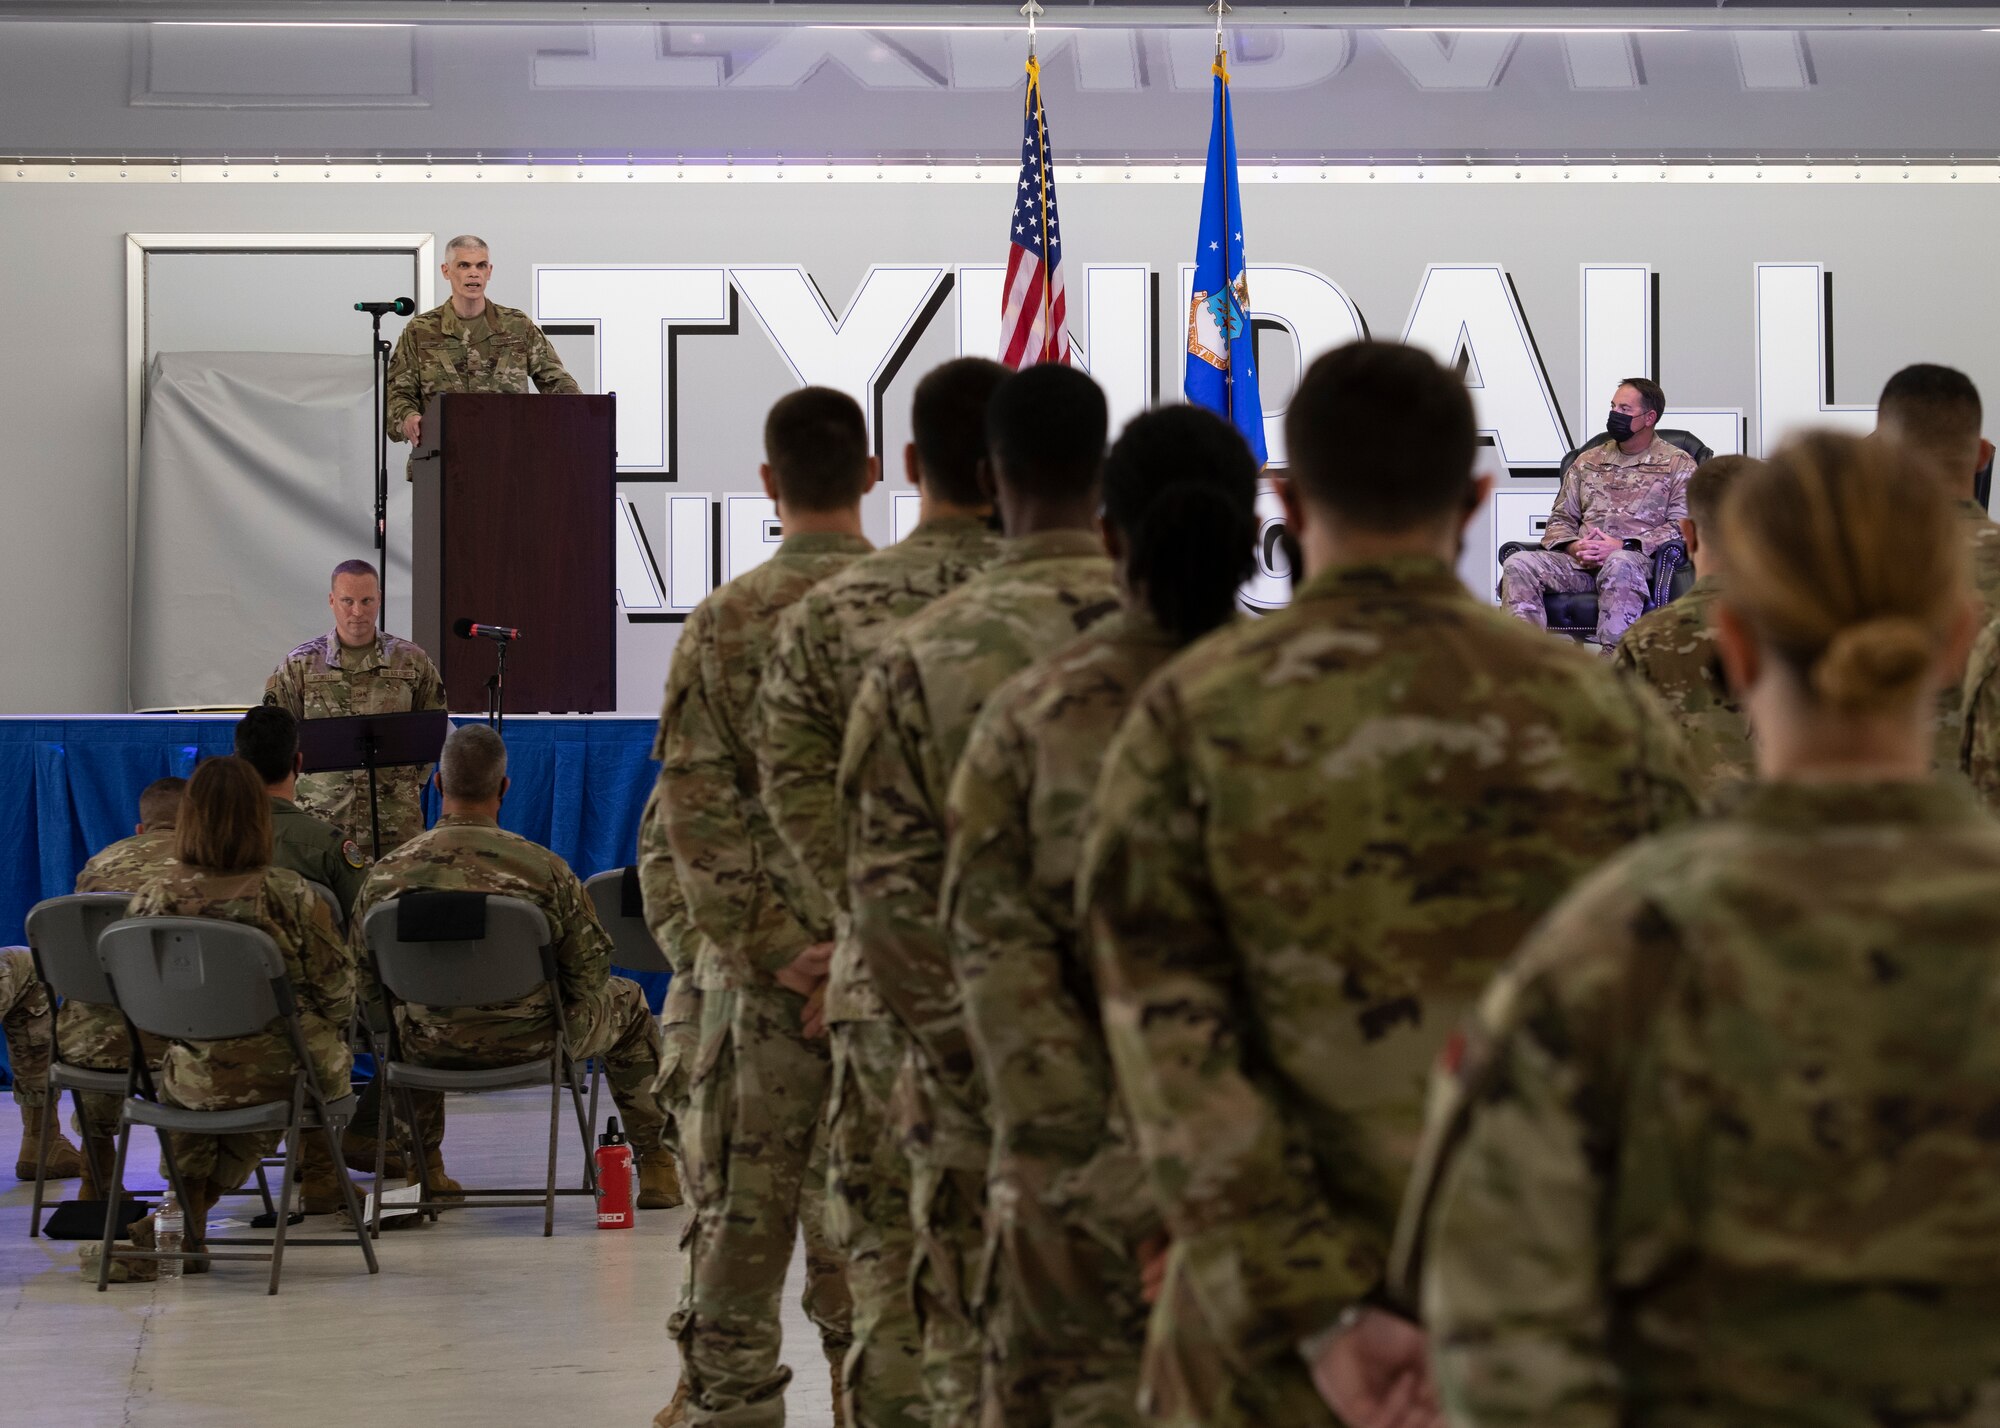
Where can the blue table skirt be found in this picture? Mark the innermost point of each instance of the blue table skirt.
(579, 785)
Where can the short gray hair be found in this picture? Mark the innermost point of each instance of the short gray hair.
(467, 240)
(473, 764)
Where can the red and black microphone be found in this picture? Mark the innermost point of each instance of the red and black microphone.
(472, 630)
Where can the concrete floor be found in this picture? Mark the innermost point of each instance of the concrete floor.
(474, 1320)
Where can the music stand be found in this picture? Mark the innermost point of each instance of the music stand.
(372, 742)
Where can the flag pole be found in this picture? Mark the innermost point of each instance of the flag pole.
(1221, 71)
(1032, 9)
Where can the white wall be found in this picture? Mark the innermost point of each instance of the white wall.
(1911, 267)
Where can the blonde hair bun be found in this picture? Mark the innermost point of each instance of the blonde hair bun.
(1875, 663)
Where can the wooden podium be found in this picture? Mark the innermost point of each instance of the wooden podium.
(511, 524)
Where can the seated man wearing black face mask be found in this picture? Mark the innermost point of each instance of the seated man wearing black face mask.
(1620, 501)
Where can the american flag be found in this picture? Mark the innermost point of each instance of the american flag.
(1033, 319)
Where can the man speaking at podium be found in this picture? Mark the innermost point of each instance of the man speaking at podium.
(359, 668)
(467, 345)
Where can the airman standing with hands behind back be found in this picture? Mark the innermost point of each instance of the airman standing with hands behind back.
(1317, 835)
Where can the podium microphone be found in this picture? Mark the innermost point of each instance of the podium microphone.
(401, 307)
(468, 630)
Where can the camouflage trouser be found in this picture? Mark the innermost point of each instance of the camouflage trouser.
(682, 1037)
(1064, 1318)
(613, 1023)
(92, 1035)
(947, 1206)
(261, 1071)
(1621, 583)
(29, 1023)
(757, 1162)
(947, 1153)
(1187, 1381)
(868, 1220)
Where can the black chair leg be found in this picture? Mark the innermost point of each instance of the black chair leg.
(51, 1107)
(111, 1211)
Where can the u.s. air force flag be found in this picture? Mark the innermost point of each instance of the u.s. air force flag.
(1222, 365)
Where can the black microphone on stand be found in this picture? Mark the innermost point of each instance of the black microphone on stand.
(468, 630)
(401, 307)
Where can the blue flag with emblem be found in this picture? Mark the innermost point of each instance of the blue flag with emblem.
(1221, 362)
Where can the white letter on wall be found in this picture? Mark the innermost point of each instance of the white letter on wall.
(1473, 60)
(858, 353)
(1467, 312)
(638, 310)
(1618, 315)
(1307, 306)
(1795, 357)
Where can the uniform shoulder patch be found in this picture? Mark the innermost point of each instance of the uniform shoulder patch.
(353, 854)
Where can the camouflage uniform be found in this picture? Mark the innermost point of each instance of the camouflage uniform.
(316, 851)
(757, 1162)
(1316, 837)
(30, 1028)
(667, 920)
(250, 1070)
(322, 679)
(1955, 705)
(1642, 498)
(606, 1016)
(1067, 1202)
(918, 698)
(501, 350)
(803, 704)
(91, 1034)
(680, 1030)
(1672, 650)
(1718, 1148)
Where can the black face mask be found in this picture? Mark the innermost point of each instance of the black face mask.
(1619, 425)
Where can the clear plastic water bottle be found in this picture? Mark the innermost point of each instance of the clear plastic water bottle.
(169, 1226)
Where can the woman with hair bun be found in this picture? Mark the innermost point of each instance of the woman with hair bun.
(1068, 1210)
(1722, 1145)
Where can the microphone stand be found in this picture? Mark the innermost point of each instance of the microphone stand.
(380, 363)
(496, 692)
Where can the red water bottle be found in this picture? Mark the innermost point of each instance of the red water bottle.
(615, 1177)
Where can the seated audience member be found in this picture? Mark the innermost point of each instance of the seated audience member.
(89, 1034)
(268, 740)
(1934, 413)
(357, 667)
(1316, 836)
(1673, 649)
(1619, 502)
(468, 851)
(223, 870)
(1718, 1147)
(1069, 1218)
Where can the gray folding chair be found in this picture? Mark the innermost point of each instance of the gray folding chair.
(615, 895)
(510, 959)
(62, 939)
(203, 979)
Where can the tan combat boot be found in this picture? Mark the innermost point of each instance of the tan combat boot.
(65, 1162)
(319, 1178)
(357, 1148)
(659, 1180)
(675, 1413)
(443, 1187)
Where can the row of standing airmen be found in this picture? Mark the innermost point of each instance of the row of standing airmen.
(1073, 964)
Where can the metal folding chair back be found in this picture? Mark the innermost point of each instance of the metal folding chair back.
(62, 940)
(511, 959)
(632, 941)
(205, 979)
